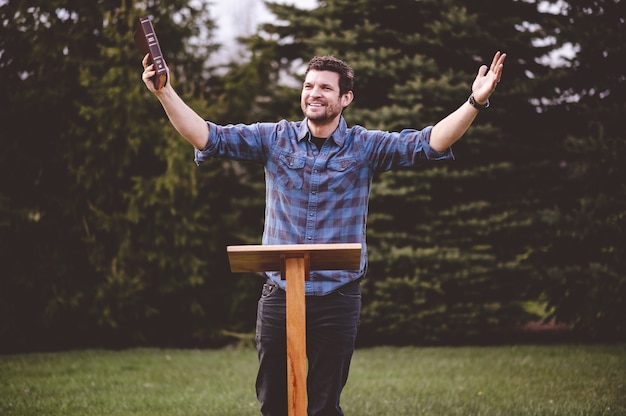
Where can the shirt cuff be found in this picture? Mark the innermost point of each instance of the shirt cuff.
(200, 156)
(432, 154)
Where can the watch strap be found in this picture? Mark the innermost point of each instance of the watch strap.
(479, 107)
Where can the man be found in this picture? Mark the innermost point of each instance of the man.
(318, 174)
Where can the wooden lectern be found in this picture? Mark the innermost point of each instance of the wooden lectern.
(294, 263)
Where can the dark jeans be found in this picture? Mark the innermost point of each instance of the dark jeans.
(331, 328)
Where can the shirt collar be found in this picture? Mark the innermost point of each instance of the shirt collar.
(339, 135)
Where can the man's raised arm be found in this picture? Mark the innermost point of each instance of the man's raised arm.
(185, 120)
(454, 126)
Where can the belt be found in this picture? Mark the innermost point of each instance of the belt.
(348, 285)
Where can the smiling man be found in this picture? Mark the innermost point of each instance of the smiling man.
(318, 173)
(325, 94)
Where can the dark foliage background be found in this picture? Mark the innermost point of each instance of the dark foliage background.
(110, 236)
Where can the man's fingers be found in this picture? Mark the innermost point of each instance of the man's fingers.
(498, 64)
(147, 75)
(494, 62)
(148, 72)
(482, 71)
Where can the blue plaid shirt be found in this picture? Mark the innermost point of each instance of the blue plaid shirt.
(318, 197)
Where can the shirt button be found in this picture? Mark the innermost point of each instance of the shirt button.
(315, 171)
(311, 214)
(308, 238)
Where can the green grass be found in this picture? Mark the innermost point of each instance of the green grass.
(513, 380)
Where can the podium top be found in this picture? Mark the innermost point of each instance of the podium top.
(268, 258)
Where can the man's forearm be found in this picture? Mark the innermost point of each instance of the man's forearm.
(453, 127)
(445, 133)
(185, 120)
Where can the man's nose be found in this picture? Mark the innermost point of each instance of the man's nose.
(316, 91)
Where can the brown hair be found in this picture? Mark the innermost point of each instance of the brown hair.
(330, 63)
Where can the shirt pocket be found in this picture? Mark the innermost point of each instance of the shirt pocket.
(342, 174)
(291, 170)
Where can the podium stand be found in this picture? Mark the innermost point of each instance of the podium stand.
(294, 262)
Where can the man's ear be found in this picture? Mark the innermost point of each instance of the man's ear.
(347, 98)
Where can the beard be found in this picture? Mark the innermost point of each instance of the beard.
(322, 115)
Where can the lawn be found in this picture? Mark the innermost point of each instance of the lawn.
(506, 380)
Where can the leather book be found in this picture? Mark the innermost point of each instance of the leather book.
(148, 43)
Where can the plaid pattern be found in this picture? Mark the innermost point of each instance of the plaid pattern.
(318, 197)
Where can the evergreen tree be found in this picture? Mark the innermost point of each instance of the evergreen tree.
(446, 242)
(581, 256)
(39, 252)
(109, 236)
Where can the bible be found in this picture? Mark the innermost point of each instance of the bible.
(148, 43)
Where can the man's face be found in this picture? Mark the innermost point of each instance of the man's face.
(320, 99)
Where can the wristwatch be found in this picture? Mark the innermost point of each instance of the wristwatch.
(479, 107)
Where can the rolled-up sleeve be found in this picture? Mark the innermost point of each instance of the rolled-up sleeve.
(200, 156)
(402, 149)
(432, 154)
(236, 142)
